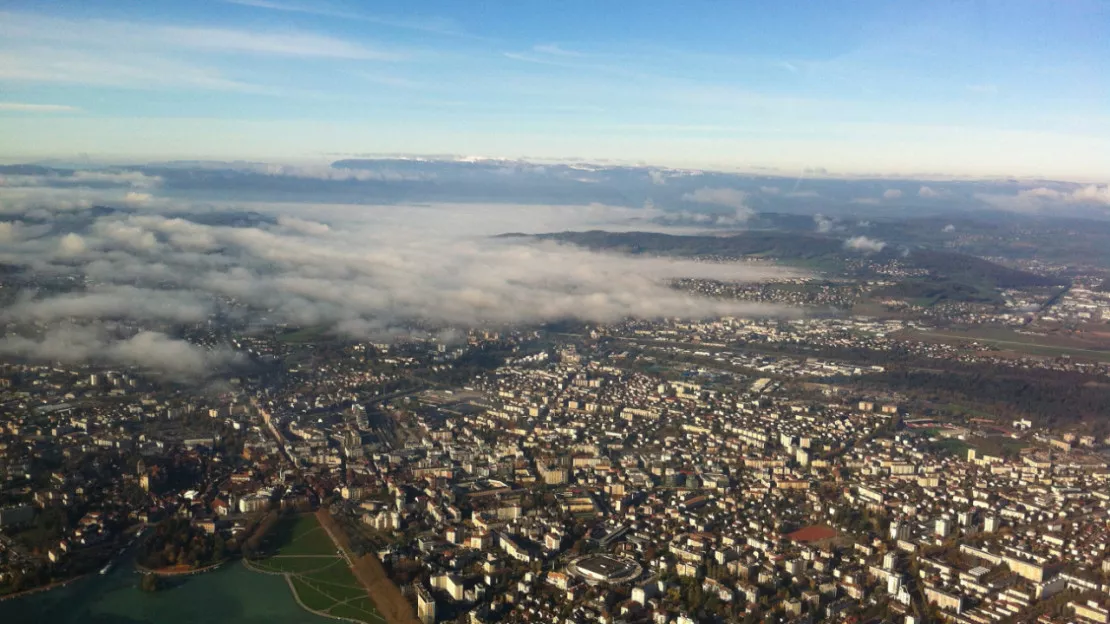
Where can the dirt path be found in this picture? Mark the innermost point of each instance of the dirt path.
(370, 572)
(293, 590)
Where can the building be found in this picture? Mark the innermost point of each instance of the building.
(949, 601)
(1090, 610)
(425, 605)
(553, 475)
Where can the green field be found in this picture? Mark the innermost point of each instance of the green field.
(1007, 340)
(954, 447)
(305, 335)
(321, 578)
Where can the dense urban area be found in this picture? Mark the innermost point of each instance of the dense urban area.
(889, 467)
(601, 312)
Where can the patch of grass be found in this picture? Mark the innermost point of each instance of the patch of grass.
(304, 335)
(361, 609)
(954, 446)
(300, 535)
(294, 565)
(320, 577)
(311, 597)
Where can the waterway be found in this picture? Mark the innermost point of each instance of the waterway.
(229, 595)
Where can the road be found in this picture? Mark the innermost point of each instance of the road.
(266, 418)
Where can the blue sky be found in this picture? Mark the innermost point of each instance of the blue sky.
(962, 88)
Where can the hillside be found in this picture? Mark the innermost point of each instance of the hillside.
(961, 274)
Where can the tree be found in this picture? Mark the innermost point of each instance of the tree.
(150, 583)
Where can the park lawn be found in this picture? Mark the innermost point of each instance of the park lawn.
(323, 596)
(361, 609)
(311, 597)
(302, 535)
(320, 577)
(294, 565)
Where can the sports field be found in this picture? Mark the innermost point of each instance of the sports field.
(317, 571)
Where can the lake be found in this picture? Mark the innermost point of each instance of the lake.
(231, 594)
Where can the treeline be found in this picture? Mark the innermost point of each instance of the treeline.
(253, 546)
(1051, 398)
(933, 291)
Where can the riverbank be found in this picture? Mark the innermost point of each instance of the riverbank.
(43, 588)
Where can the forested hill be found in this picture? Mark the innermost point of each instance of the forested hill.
(809, 248)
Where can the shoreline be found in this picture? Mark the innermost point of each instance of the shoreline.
(168, 572)
(42, 588)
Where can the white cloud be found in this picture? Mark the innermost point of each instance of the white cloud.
(1044, 193)
(436, 25)
(71, 245)
(327, 172)
(376, 268)
(657, 177)
(555, 50)
(1092, 193)
(83, 178)
(728, 197)
(949, 228)
(864, 244)
(111, 302)
(273, 43)
(823, 223)
(892, 194)
(146, 350)
(357, 269)
(1042, 198)
(37, 108)
(137, 198)
(928, 192)
(10, 231)
(303, 226)
(124, 36)
(143, 55)
(106, 68)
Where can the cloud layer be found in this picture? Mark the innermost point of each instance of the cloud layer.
(145, 350)
(727, 197)
(361, 271)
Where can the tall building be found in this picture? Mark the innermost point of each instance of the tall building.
(425, 605)
(943, 527)
(899, 530)
(553, 475)
(991, 524)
